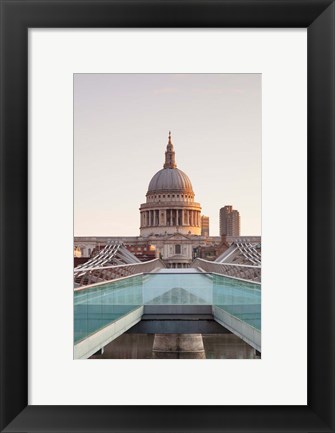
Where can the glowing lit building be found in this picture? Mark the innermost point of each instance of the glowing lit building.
(170, 205)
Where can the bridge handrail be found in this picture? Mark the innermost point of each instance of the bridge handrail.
(96, 268)
(94, 285)
(247, 272)
(226, 264)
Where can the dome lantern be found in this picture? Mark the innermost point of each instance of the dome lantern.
(170, 156)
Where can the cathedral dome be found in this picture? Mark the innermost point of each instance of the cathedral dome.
(170, 179)
(170, 207)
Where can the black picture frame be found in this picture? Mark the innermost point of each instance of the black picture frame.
(19, 15)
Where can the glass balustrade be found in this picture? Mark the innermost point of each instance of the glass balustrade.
(241, 299)
(99, 305)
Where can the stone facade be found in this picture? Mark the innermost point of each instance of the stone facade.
(170, 205)
(177, 250)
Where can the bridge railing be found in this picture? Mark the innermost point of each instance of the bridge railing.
(84, 277)
(245, 272)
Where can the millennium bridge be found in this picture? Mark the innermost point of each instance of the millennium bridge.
(115, 293)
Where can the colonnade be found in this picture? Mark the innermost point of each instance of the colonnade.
(178, 265)
(170, 217)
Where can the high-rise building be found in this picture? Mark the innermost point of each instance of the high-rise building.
(233, 223)
(224, 212)
(229, 221)
(204, 225)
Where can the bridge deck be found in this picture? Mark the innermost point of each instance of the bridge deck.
(234, 304)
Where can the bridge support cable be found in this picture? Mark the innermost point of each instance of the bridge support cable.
(87, 276)
(241, 252)
(113, 252)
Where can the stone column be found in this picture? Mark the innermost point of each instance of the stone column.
(154, 219)
(178, 346)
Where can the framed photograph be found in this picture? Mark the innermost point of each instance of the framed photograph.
(187, 283)
(79, 81)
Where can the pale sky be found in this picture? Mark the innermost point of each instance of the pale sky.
(121, 125)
